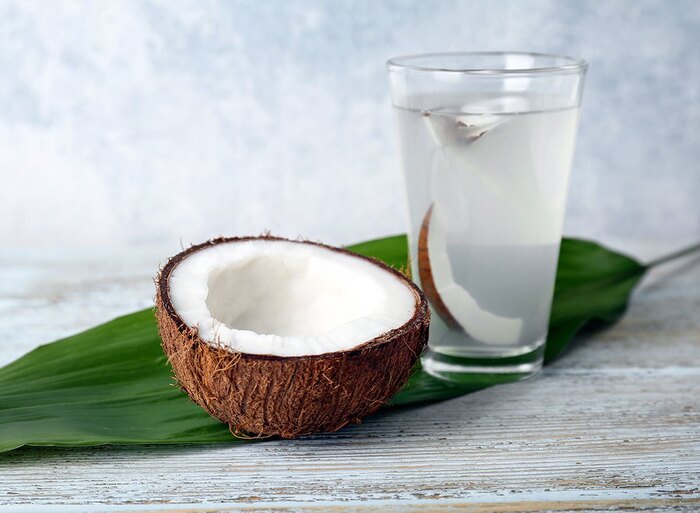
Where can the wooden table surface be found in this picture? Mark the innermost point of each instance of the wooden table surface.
(614, 425)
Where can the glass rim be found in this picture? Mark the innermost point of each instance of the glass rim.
(569, 64)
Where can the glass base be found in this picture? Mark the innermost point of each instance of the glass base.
(483, 369)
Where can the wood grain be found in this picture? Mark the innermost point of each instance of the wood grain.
(614, 425)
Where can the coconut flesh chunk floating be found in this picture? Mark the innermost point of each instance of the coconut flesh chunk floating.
(452, 302)
(280, 337)
(449, 185)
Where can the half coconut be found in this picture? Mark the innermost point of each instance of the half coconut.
(281, 337)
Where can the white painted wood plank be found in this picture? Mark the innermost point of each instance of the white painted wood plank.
(615, 424)
(624, 501)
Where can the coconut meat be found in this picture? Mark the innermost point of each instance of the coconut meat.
(286, 298)
(481, 324)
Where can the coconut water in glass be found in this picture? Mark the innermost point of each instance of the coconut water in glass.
(486, 141)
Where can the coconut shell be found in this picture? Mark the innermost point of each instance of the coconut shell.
(425, 273)
(264, 395)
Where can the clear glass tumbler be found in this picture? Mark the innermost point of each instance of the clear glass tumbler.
(487, 141)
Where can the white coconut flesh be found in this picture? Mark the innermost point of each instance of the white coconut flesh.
(453, 177)
(469, 162)
(285, 298)
(480, 324)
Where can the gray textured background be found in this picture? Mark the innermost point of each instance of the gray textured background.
(146, 122)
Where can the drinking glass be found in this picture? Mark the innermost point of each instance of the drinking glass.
(486, 145)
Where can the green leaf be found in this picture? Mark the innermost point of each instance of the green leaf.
(593, 286)
(392, 251)
(425, 388)
(112, 384)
